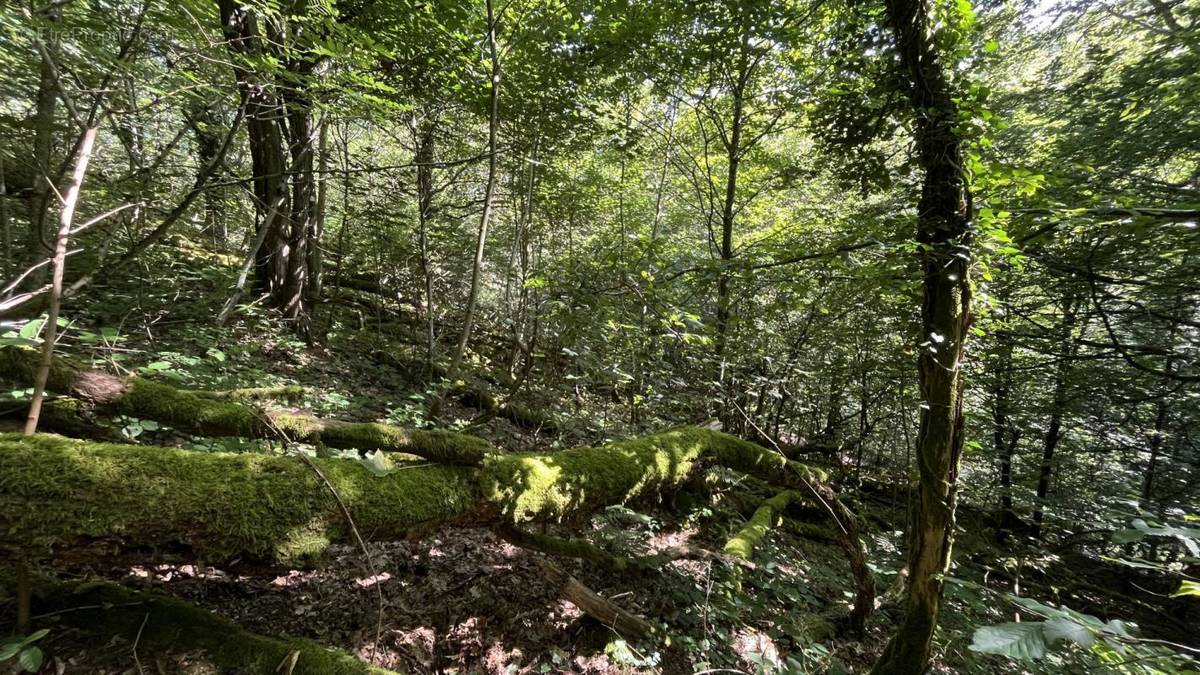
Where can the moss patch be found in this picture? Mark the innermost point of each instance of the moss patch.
(765, 519)
(167, 623)
(553, 486)
(56, 492)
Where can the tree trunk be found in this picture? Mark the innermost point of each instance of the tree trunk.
(944, 236)
(264, 120)
(485, 217)
(733, 148)
(37, 244)
(65, 217)
(296, 300)
(1058, 408)
(426, 132)
(1004, 440)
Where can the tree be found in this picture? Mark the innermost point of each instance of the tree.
(944, 237)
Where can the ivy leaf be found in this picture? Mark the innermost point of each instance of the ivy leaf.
(1024, 641)
(1065, 629)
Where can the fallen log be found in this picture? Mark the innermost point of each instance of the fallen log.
(159, 622)
(224, 414)
(742, 544)
(58, 494)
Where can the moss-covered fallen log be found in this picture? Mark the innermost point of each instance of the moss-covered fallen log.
(161, 623)
(56, 493)
(228, 414)
(765, 519)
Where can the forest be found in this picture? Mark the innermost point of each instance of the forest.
(624, 336)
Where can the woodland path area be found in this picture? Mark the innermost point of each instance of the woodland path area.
(675, 337)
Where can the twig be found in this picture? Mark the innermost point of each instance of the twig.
(136, 640)
(362, 544)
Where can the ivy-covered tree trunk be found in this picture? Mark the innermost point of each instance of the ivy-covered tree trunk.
(944, 235)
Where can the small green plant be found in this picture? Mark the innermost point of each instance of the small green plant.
(131, 427)
(28, 655)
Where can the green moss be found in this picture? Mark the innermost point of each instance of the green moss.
(57, 492)
(439, 446)
(165, 623)
(286, 392)
(742, 544)
(19, 365)
(187, 411)
(553, 486)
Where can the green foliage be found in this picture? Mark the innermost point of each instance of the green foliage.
(22, 649)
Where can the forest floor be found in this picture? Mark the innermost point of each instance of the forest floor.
(462, 600)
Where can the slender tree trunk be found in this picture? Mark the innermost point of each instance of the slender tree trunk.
(944, 235)
(1004, 440)
(642, 352)
(37, 244)
(1058, 408)
(426, 132)
(296, 301)
(728, 212)
(316, 254)
(485, 217)
(5, 226)
(522, 272)
(66, 215)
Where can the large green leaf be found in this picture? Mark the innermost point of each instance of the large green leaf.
(1016, 640)
(1065, 629)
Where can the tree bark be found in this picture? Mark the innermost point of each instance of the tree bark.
(264, 120)
(733, 149)
(944, 238)
(37, 244)
(489, 190)
(65, 218)
(1004, 439)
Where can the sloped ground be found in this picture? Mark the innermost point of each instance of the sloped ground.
(463, 601)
